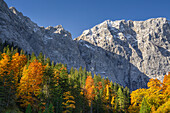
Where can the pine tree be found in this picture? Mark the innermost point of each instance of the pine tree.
(145, 107)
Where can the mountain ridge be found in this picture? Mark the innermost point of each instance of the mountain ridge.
(127, 52)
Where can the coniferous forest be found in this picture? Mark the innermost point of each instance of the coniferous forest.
(30, 84)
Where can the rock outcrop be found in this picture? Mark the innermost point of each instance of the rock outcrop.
(135, 50)
(55, 42)
(127, 52)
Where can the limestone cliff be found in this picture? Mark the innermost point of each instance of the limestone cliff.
(127, 52)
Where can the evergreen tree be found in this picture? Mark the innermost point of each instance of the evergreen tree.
(103, 84)
(145, 107)
(80, 74)
(28, 110)
(41, 58)
(48, 61)
(121, 99)
(72, 71)
(33, 57)
(84, 77)
(51, 109)
(2, 96)
(115, 86)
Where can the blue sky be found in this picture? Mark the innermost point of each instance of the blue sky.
(79, 15)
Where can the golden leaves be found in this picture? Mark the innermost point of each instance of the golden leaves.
(157, 95)
(30, 82)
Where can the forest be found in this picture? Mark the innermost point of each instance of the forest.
(34, 84)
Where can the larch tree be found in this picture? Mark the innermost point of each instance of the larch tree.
(90, 91)
(17, 64)
(30, 84)
(7, 80)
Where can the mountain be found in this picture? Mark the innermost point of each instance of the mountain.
(133, 50)
(127, 52)
(54, 42)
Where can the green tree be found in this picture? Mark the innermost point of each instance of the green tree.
(121, 99)
(145, 107)
(28, 110)
(51, 109)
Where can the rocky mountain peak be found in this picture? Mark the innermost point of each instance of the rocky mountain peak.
(127, 52)
(145, 45)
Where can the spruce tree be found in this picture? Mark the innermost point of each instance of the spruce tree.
(115, 86)
(145, 108)
(51, 109)
(28, 110)
(84, 76)
(2, 96)
(121, 99)
(80, 75)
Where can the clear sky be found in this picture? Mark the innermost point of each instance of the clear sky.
(79, 15)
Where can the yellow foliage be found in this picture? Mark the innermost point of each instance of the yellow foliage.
(133, 109)
(157, 96)
(29, 86)
(69, 102)
(165, 108)
(89, 89)
(4, 65)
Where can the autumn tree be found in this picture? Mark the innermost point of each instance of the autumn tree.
(90, 91)
(17, 64)
(68, 102)
(156, 96)
(30, 84)
(7, 81)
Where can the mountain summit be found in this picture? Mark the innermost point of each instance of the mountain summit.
(135, 49)
(127, 52)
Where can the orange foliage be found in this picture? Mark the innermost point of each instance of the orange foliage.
(29, 86)
(14, 66)
(89, 89)
(4, 65)
(17, 64)
(99, 85)
(157, 95)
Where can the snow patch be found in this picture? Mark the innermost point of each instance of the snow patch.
(48, 37)
(89, 47)
(35, 30)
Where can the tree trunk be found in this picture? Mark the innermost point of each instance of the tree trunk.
(91, 108)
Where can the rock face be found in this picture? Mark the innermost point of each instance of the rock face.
(127, 52)
(54, 42)
(134, 50)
